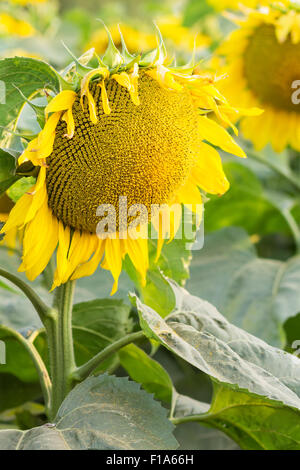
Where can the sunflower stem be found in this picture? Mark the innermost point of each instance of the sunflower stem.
(86, 369)
(61, 346)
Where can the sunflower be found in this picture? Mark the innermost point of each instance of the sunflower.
(135, 40)
(27, 2)
(180, 36)
(170, 26)
(262, 63)
(135, 127)
(220, 5)
(10, 25)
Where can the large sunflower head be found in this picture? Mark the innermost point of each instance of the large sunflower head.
(263, 67)
(135, 130)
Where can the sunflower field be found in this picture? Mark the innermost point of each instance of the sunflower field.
(150, 225)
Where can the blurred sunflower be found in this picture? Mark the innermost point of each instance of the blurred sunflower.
(262, 63)
(184, 38)
(10, 25)
(136, 41)
(220, 5)
(132, 127)
(27, 2)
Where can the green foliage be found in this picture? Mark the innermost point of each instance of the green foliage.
(28, 76)
(221, 377)
(254, 423)
(247, 373)
(121, 416)
(146, 371)
(196, 10)
(20, 187)
(248, 204)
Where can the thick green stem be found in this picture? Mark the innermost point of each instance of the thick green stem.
(86, 369)
(61, 347)
(189, 419)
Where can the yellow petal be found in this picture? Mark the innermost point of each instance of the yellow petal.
(88, 268)
(138, 253)
(209, 173)
(217, 135)
(69, 119)
(61, 102)
(113, 260)
(104, 98)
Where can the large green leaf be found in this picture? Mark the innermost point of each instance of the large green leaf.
(198, 333)
(146, 371)
(256, 294)
(27, 75)
(101, 413)
(237, 361)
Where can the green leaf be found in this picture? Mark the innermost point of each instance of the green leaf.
(292, 331)
(18, 189)
(7, 165)
(257, 387)
(253, 422)
(14, 392)
(96, 324)
(29, 76)
(146, 371)
(101, 413)
(256, 294)
(18, 361)
(248, 204)
(4, 185)
(198, 333)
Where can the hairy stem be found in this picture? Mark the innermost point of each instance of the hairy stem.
(61, 347)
